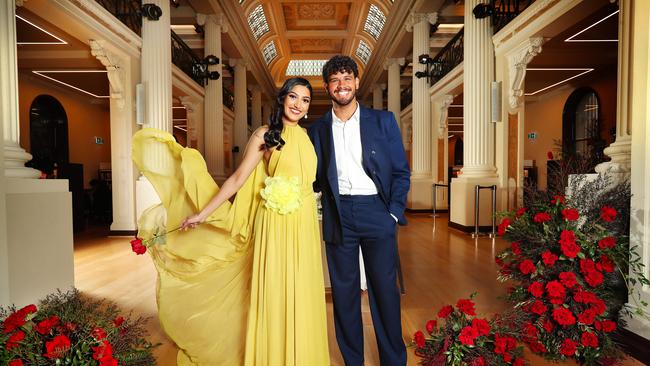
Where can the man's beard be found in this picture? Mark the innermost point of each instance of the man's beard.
(344, 102)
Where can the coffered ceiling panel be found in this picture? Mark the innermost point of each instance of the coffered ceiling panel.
(316, 16)
(316, 45)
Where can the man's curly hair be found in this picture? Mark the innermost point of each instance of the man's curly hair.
(340, 63)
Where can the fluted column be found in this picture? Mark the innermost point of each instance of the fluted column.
(240, 126)
(378, 96)
(256, 107)
(15, 156)
(478, 53)
(620, 150)
(214, 25)
(267, 109)
(192, 118)
(157, 68)
(392, 65)
(419, 24)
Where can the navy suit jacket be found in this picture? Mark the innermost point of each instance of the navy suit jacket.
(383, 159)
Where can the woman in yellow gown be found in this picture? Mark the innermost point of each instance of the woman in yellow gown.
(246, 286)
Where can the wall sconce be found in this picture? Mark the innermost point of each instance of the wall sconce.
(427, 61)
(151, 11)
(200, 69)
(481, 11)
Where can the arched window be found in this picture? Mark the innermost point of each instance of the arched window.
(48, 133)
(581, 124)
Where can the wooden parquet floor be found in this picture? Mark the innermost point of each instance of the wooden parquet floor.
(439, 267)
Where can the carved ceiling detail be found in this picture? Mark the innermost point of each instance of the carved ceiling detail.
(316, 11)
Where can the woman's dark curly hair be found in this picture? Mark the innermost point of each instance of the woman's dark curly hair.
(340, 63)
(272, 137)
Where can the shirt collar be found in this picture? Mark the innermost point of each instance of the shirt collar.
(353, 118)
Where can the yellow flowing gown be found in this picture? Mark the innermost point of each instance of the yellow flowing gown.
(246, 287)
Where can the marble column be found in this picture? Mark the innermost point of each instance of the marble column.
(620, 150)
(241, 124)
(392, 65)
(256, 107)
(214, 25)
(478, 137)
(378, 96)
(122, 77)
(15, 156)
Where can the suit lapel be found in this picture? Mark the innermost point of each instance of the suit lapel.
(328, 148)
(367, 131)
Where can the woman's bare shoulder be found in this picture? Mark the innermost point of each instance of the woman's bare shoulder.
(260, 131)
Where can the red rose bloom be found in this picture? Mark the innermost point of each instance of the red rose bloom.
(16, 363)
(504, 225)
(549, 258)
(568, 348)
(556, 292)
(538, 307)
(557, 199)
(519, 362)
(57, 347)
(13, 340)
(605, 264)
(103, 351)
(479, 361)
(418, 338)
(537, 347)
(607, 213)
(531, 332)
(593, 278)
(548, 326)
(445, 311)
(503, 344)
(536, 289)
(44, 327)
(17, 319)
(527, 267)
(520, 212)
(568, 279)
(431, 325)
(482, 326)
(570, 214)
(607, 242)
(564, 316)
(467, 335)
(516, 249)
(466, 306)
(549, 155)
(589, 339)
(98, 333)
(541, 217)
(605, 326)
(118, 321)
(137, 247)
(587, 316)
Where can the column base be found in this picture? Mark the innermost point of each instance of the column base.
(462, 202)
(420, 195)
(145, 196)
(39, 237)
(621, 153)
(15, 159)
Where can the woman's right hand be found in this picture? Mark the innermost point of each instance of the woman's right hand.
(191, 222)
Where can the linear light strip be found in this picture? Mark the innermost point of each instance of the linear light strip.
(559, 82)
(570, 39)
(42, 30)
(68, 85)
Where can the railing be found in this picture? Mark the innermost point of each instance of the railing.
(185, 59)
(127, 11)
(507, 10)
(448, 58)
(406, 97)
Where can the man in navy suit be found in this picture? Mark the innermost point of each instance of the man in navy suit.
(364, 178)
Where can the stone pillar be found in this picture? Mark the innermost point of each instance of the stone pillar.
(620, 150)
(15, 156)
(478, 154)
(256, 107)
(240, 125)
(122, 79)
(267, 109)
(194, 118)
(214, 25)
(393, 65)
(378, 96)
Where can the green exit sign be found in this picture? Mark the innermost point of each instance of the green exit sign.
(532, 135)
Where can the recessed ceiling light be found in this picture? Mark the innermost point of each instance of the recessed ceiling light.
(42, 30)
(570, 39)
(451, 26)
(42, 73)
(584, 71)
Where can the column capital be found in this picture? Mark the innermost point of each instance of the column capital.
(114, 72)
(518, 58)
(216, 19)
(234, 62)
(415, 18)
(446, 101)
(189, 103)
(391, 61)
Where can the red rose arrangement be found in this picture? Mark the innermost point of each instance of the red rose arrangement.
(568, 267)
(68, 329)
(458, 337)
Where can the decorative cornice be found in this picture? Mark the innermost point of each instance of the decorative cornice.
(444, 112)
(114, 73)
(415, 18)
(518, 58)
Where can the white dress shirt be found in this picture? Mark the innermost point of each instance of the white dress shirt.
(347, 149)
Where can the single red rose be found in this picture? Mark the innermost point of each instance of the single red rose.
(606, 326)
(593, 278)
(104, 350)
(558, 199)
(549, 155)
(568, 279)
(507, 357)
(498, 261)
(481, 325)
(467, 336)
(541, 217)
(599, 306)
(431, 326)
(549, 258)
(570, 214)
(419, 339)
(516, 249)
(137, 246)
(16, 363)
(548, 326)
(556, 292)
(57, 347)
(45, 326)
(527, 267)
(564, 316)
(605, 264)
(503, 226)
(568, 347)
(466, 306)
(537, 347)
(538, 307)
(519, 362)
(479, 361)
(531, 332)
(14, 339)
(607, 242)
(607, 213)
(98, 333)
(520, 212)
(536, 289)
(109, 361)
(587, 317)
(445, 311)
(17, 319)
(585, 297)
(118, 321)
(589, 339)
(568, 244)
(503, 344)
